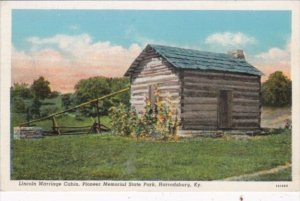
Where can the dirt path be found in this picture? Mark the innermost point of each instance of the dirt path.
(259, 173)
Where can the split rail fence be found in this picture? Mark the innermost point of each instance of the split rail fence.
(96, 126)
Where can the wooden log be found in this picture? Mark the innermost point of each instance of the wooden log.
(191, 80)
(154, 79)
(199, 127)
(221, 75)
(236, 103)
(153, 74)
(238, 121)
(171, 95)
(246, 93)
(246, 128)
(199, 100)
(237, 108)
(243, 100)
(237, 117)
(249, 113)
(246, 96)
(165, 90)
(245, 125)
(199, 120)
(200, 107)
(209, 94)
(159, 84)
(217, 87)
(197, 114)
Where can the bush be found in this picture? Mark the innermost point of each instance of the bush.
(34, 109)
(157, 120)
(18, 105)
(46, 111)
(121, 118)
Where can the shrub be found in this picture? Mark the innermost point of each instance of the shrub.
(18, 105)
(157, 120)
(120, 117)
(46, 111)
(35, 108)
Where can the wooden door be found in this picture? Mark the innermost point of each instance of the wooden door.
(224, 109)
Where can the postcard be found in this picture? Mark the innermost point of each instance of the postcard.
(150, 96)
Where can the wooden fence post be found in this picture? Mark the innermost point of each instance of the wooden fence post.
(98, 117)
(55, 126)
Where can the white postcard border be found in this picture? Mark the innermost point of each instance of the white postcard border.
(5, 73)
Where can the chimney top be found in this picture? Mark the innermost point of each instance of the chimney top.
(239, 54)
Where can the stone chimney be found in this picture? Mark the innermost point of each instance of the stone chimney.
(239, 54)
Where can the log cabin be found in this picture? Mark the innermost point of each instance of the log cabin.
(211, 91)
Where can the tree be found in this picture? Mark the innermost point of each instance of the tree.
(277, 90)
(54, 94)
(35, 107)
(21, 90)
(91, 88)
(66, 100)
(88, 89)
(40, 88)
(118, 84)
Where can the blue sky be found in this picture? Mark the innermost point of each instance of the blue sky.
(262, 34)
(124, 27)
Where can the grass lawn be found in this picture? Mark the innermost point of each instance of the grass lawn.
(283, 175)
(99, 157)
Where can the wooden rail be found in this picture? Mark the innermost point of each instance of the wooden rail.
(75, 107)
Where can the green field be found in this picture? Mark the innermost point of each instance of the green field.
(96, 157)
(99, 157)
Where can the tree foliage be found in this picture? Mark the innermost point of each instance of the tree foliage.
(21, 90)
(18, 105)
(95, 87)
(66, 100)
(41, 88)
(35, 108)
(277, 90)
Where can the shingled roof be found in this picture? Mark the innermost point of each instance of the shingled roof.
(182, 58)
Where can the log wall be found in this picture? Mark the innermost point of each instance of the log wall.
(153, 70)
(199, 101)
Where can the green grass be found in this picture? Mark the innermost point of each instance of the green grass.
(283, 175)
(67, 119)
(98, 157)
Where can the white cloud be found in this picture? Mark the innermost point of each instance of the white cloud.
(274, 59)
(229, 39)
(63, 42)
(73, 27)
(64, 59)
(274, 55)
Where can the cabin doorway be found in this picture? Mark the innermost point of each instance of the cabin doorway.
(224, 109)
